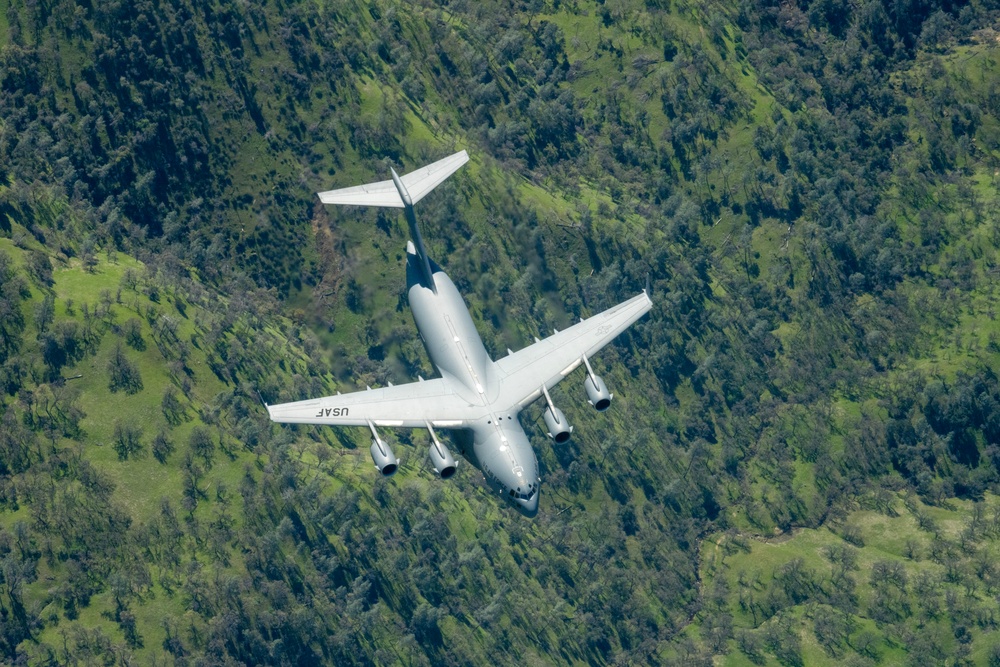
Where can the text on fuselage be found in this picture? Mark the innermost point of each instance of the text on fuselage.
(332, 412)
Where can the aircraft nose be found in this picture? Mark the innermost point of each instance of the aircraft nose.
(529, 507)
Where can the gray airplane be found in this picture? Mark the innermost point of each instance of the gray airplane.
(476, 398)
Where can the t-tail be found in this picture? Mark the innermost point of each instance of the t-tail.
(402, 192)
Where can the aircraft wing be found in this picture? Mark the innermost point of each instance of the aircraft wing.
(548, 361)
(410, 405)
(384, 193)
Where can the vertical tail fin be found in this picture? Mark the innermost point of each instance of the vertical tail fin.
(402, 192)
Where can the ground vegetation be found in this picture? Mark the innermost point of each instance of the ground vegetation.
(802, 462)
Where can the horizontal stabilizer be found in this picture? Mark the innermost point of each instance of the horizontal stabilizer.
(384, 193)
(418, 183)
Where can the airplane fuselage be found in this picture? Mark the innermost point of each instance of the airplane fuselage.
(478, 398)
(499, 446)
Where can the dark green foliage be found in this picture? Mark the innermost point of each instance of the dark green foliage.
(803, 188)
(17, 444)
(64, 344)
(19, 568)
(202, 445)
(173, 409)
(132, 332)
(994, 656)
(890, 603)
(752, 646)
(40, 268)
(124, 373)
(782, 639)
(45, 313)
(13, 290)
(832, 630)
(128, 440)
(162, 447)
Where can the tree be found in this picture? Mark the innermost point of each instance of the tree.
(64, 344)
(163, 447)
(132, 331)
(13, 290)
(45, 313)
(173, 409)
(128, 440)
(124, 374)
(129, 628)
(750, 644)
(17, 444)
(782, 639)
(40, 268)
(866, 643)
(796, 580)
(201, 444)
(994, 656)
(832, 629)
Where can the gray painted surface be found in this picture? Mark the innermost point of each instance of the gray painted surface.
(477, 398)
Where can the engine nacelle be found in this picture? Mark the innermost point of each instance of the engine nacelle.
(384, 459)
(444, 462)
(598, 392)
(559, 428)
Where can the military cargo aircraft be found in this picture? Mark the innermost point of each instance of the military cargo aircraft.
(476, 399)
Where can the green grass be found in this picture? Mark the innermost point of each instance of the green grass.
(143, 482)
(373, 259)
(140, 483)
(885, 537)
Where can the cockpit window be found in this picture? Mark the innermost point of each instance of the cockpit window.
(526, 495)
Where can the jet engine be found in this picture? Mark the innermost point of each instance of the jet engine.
(382, 455)
(444, 462)
(559, 428)
(555, 420)
(597, 391)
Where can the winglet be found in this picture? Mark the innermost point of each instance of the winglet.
(264, 403)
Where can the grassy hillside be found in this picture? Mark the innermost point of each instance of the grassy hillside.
(801, 464)
(845, 590)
